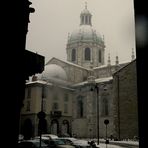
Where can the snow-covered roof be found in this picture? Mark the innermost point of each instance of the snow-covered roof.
(126, 64)
(50, 84)
(99, 80)
(54, 71)
(70, 63)
(39, 82)
(104, 66)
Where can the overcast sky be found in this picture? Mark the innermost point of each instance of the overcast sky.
(54, 19)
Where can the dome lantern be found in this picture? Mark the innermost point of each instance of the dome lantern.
(85, 17)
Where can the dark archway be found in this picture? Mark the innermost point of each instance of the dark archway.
(80, 107)
(27, 129)
(65, 128)
(55, 127)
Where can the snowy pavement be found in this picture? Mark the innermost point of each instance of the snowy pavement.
(102, 145)
(130, 142)
(117, 144)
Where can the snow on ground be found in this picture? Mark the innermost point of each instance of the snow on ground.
(115, 144)
(101, 145)
(123, 141)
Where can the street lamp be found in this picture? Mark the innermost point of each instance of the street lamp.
(97, 101)
(41, 115)
(106, 122)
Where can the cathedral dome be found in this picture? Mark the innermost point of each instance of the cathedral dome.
(85, 33)
(54, 71)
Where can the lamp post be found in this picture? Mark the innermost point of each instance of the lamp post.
(106, 122)
(97, 90)
(41, 115)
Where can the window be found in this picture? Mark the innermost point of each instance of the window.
(87, 54)
(100, 56)
(66, 97)
(55, 106)
(28, 106)
(105, 107)
(73, 55)
(29, 92)
(86, 20)
(65, 108)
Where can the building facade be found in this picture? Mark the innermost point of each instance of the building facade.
(125, 101)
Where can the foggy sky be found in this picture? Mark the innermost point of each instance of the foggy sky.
(54, 19)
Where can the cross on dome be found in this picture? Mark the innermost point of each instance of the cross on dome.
(85, 5)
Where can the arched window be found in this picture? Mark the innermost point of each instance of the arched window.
(80, 107)
(73, 55)
(105, 110)
(87, 54)
(54, 127)
(100, 56)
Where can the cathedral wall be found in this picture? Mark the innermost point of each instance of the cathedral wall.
(79, 128)
(89, 97)
(76, 74)
(102, 72)
(107, 70)
(125, 94)
(106, 110)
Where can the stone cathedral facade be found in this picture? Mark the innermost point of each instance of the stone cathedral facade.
(79, 93)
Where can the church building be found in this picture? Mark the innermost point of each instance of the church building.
(77, 94)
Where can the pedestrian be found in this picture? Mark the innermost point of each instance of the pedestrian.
(93, 144)
(111, 137)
